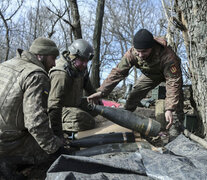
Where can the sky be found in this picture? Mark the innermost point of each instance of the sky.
(83, 10)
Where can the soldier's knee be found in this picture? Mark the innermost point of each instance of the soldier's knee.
(130, 107)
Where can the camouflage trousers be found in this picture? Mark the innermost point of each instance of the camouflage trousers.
(29, 152)
(141, 89)
(75, 119)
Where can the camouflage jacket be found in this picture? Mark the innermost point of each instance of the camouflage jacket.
(23, 104)
(67, 87)
(162, 64)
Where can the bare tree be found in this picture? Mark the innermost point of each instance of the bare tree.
(72, 19)
(36, 19)
(95, 78)
(7, 21)
(64, 18)
(171, 29)
(76, 25)
(193, 24)
(123, 19)
(174, 36)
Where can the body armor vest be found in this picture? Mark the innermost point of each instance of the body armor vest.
(13, 74)
(72, 97)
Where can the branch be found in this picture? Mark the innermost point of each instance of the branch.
(165, 10)
(178, 24)
(185, 72)
(15, 11)
(173, 20)
(52, 29)
(7, 35)
(61, 16)
(196, 138)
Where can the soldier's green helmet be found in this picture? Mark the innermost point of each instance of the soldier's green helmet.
(81, 48)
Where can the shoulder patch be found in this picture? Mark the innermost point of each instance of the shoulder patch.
(46, 92)
(173, 69)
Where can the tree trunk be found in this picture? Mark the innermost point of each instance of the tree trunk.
(7, 27)
(36, 20)
(6, 36)
(76, 26)
(171, 29)
(192, 14)
(95, 78)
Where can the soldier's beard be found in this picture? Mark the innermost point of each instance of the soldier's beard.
(147, 58)
(144, 58)
(44, 62)
(79, 66)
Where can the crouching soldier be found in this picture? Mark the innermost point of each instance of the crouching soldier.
(158, 63)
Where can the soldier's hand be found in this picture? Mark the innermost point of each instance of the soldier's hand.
(94, 98)
(169, 119)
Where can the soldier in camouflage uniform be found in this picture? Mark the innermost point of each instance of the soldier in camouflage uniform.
(158, 63)
(68, 80)
(24, 122)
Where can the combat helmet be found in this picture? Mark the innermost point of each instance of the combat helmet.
(81, 48)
